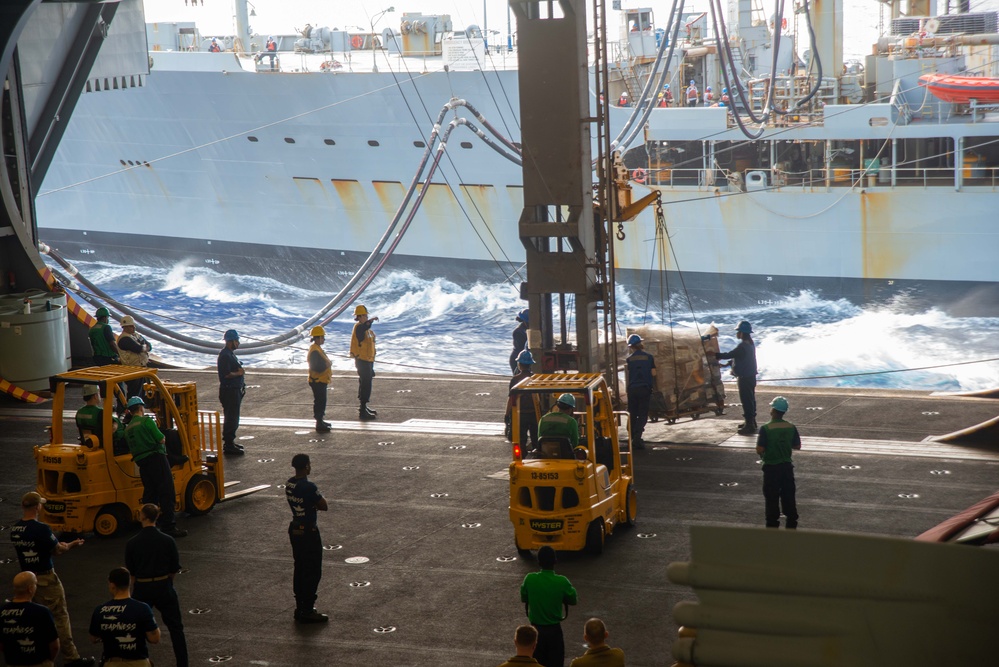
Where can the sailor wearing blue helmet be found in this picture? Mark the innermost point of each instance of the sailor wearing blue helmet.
(744, 369)
(641, 368)
(231, 391)
(528, 416)
(519, 338)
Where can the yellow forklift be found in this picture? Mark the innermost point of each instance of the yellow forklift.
(89, 479)
(571, 498)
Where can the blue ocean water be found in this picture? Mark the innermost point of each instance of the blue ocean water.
(429, 325)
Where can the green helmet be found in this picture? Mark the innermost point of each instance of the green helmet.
(102, 312)
(567, 400)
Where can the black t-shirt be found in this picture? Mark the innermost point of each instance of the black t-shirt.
(151, 553)
(26, 631)
(302, 497)
(34, 543)
(122, 626)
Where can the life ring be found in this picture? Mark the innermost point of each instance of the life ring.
(638, 175)
(357, 41)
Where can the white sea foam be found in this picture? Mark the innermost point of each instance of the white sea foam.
(434, 325)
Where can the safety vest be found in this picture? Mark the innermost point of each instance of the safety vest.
(780, 442)
(130, 358)
(326, 375)
(100, 344)
(271, 45)
(365, 349)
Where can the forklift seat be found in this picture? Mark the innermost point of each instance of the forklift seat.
(553, 447)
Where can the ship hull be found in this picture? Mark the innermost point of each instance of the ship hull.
(297, 176)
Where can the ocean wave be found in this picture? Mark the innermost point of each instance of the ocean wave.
(432, 325)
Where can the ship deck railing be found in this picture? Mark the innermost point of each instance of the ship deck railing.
(821, 179)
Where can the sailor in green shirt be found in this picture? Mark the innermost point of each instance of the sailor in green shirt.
(776, 439)
(90, 418)
(545, 592)
(148, 446)
(559, 422)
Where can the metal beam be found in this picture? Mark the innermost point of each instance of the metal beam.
(67, 88)
(557, 224)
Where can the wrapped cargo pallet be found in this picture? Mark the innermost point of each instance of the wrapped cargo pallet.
(690, 384)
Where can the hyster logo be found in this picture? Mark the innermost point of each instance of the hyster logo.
(55, 508)
(546, 525)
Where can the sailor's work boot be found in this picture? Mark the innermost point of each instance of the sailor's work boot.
(364, 414)
(323, 427)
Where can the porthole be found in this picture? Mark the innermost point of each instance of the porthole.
(131, 164)
(372, 142)
(289, 140)
(466, 144)
(252, 139)
(419, 144)
(123, 163)
(329, 142)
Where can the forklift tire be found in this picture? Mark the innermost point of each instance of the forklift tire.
(630, 505)
(653, 420)
(201, 495)
(111, 519)
(595, 537)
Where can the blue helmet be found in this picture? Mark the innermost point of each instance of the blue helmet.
(231, 334)
(634, 339)
(692, 82)
(744, 327)
(134, 401)
(567, 400)
(524, 316)
(724, 91)
(525, 358)
(666, 86)
(779, 404)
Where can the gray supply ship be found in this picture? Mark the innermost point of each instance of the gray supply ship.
(859, 183)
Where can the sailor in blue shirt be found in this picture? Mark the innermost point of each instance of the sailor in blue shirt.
(231, 391)
(641, 384)
(35, 544)
(124, 625)
(306, 545)
(744, 369)
(27, 630)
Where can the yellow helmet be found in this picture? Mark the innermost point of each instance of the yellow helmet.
(317, 331)
(360, 310)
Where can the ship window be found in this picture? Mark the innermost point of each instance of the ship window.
(466, 144)
(546, 497)
(123, 163)
(524, 496)
(329, 142)
(372, 142)
(570, 498)
(289, 140)
(419, 144)
(131, 164)
(252, 139)
(878, 121)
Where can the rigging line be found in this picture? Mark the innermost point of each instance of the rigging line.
(753, 135)
(254, 348)
(885, 372)
(846, 192)
(647, 112)
(217, 141)
(639, 109)
(451, 162)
